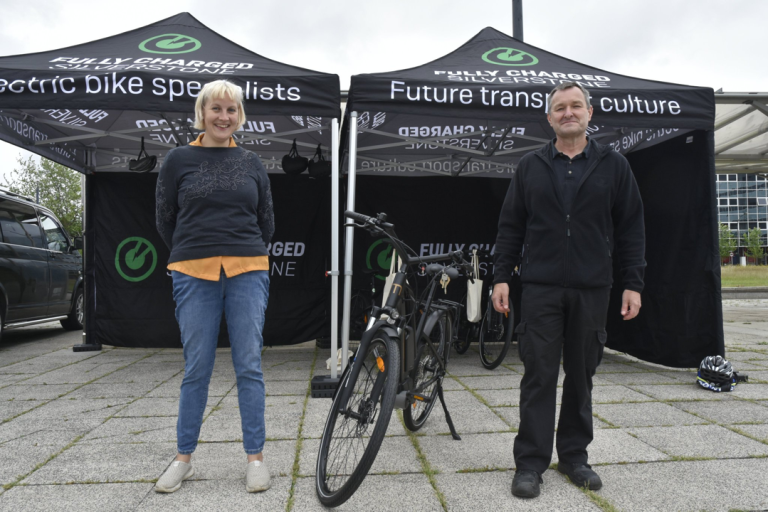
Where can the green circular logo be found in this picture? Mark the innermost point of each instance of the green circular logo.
(135, 255)
(509, 57)
(380, 255)
(170, 43)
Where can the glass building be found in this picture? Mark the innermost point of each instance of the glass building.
(742, 201)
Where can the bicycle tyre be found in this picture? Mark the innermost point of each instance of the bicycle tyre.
(495, 336)
(465, 340)
(348, 446)
(416, 414)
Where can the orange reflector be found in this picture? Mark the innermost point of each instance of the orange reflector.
(380, 363)
(365, 319)
(506, 314)
(417, 397)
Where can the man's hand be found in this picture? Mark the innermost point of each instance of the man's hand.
(500, 297)
(630, 304)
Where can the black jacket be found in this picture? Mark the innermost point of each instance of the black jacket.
(572, 249)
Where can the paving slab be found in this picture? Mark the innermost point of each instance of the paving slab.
(67, 408)
(682, 392)
(451, 384)
(227, 461)
(697, 441)
(491, 492)
(506, 381)
(12, 408)
(469, 416)
(731, 413)
(216, 495)
(284, 387)
(75, 498)
(155, 429)
(759, 432)
(473, 452)
(645, 378)
(473, 367)
(109, 390)
(740, 484)
(20, 457)
(617, 446)
(88, 463)
(167, 406)
(377, 493)
(35, 391)
(617, 394)
(751, 391)
(52, 431)
(396, 455)
(645, 415)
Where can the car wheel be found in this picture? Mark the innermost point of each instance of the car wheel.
(74, 320)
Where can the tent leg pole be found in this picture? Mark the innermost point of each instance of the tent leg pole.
(350, 239)
(334, 244)
(89, 342)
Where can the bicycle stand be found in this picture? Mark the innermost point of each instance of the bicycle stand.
(447, 414)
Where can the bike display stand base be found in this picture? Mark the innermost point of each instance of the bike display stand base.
(324, 386)
(86, 347)
(448, 420)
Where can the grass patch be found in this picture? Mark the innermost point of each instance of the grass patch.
(598, 500)
(300, 438)
(426, 468)
(736, 276)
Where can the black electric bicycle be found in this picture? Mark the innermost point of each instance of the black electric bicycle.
(400, 363)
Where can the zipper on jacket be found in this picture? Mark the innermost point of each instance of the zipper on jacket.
(608, 241)
(567, 248)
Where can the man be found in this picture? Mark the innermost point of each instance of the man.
(570, 204)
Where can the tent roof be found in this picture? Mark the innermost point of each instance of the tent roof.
(741, 133)
(487, 100)
(88, 106)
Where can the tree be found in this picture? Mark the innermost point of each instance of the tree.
(59, 188)
(727, 242)
(752, 239)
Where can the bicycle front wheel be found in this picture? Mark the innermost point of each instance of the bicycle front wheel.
(351, 439)
(429, 375)
(495, 336)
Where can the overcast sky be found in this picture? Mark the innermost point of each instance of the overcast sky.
(710, 43)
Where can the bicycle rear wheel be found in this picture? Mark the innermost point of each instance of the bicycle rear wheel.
(416, 414)
(351, 441)
(495, 336)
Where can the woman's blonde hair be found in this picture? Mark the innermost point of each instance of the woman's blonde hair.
(216, 90)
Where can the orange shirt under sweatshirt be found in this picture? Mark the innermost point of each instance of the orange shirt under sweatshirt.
(210, 268)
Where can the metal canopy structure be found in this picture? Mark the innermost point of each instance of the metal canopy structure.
(741, 133)
(94, 106)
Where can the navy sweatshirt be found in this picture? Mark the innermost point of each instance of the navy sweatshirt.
(213, 202)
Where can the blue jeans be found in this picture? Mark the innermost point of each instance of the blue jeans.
(199, 305)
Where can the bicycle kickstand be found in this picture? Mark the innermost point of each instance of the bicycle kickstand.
(447, 414)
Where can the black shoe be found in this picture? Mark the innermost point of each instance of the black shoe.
(581, 475)
(526, 483)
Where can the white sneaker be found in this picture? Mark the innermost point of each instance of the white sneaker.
(257, 477)
(176, 473)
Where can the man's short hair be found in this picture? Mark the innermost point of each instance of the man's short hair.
(217, 90)
(567, 85)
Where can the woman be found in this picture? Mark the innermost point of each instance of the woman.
(214, 211)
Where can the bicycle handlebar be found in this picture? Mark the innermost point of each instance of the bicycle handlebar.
(379, 223)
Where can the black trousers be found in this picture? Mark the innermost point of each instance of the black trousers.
(554, 321)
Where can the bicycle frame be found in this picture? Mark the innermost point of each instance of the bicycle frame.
(395, 324)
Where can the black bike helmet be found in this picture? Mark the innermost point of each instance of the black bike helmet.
(717, 374)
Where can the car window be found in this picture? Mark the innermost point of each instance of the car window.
(19, 224)
(57, 240)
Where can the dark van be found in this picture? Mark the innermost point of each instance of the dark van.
(41, 271)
